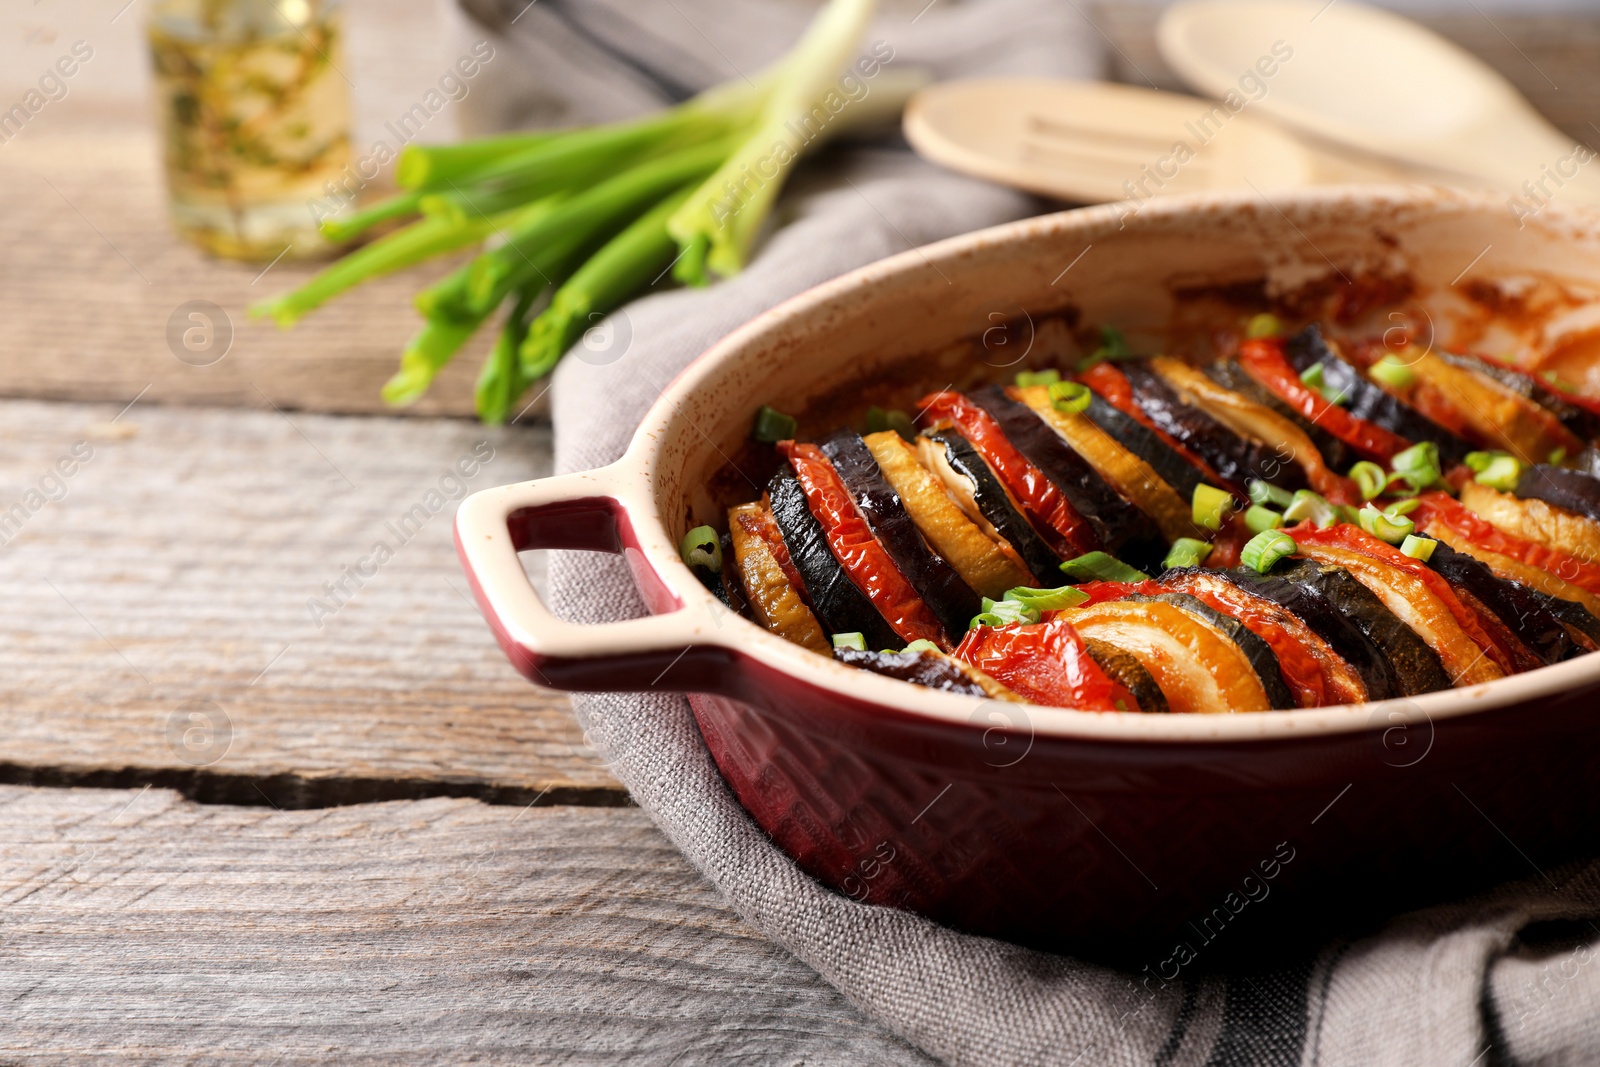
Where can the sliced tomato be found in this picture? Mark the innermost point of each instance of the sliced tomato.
(1047, 663)
(865, 561)
(1046, 506)
(1456, 516)
(1114, 388)
(1355, 539)
(1264, 360)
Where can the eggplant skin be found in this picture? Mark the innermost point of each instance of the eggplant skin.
(1365, 400)
(1230, 375)
(1125, 669)
(926, 669)
(1570, 612)
(1348, 641)
(1131, 434)
(996, 506)
(1417, 667)
(1257, 651)
(950, 599)
(838, 604)
(1572, 491)
(1123, 530)
(1528, 618)
(1237, 460)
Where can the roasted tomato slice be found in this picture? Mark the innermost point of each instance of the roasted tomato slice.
(1047, 663)
(1263, 358)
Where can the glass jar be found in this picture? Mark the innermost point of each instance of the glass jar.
(255, 118)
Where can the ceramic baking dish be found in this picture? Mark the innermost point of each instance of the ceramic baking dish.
(1043, 825)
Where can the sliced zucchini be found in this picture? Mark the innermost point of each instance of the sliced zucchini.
(1519, 609)
(1416, 665)
(1365, 400)
(1126, 471)
(979, 493)
(1498, 415)
(987, 567)
(950, 599)
(1537, 580)
(932, 670)
(773, 600)
(1538, 521)
(1409, 599)
(1262, 659)
(1573, 491)
(1237, 458)
(1125, 669)
(839, 605)
(1336, 681)
(1197, 666)
(1122, 530)
(1335, 454)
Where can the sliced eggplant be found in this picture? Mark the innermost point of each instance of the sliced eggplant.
(1237, 459)
(1573, 491)
(981, 562)
(1132, 477)
(1230, 375)
(969, 477)
(1417, 667)
(1365, 400)
(1535, 519)
(1172, 468)
(1348, 641)
(1519, 609)
(1262, 659)
(839, 605)
(1311, 668)
(772, 598)
(1122, 530)
(1199, 668)
(1577, 618)
(1125, 669)
(950, 599)
(928, 669)
(1579, 421)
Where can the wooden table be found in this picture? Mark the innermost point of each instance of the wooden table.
(235, 826)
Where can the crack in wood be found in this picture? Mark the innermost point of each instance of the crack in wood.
(291, 792)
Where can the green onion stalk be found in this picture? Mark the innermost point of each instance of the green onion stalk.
(579, 221)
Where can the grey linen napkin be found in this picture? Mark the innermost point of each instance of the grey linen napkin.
(1505, 977)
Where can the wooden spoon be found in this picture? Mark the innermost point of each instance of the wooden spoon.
(1374, 81)
(1091, 141)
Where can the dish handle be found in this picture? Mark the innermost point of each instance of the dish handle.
(675, 649)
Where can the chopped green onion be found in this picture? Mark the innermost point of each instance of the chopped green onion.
(1210, 506)
(1062, 596)
(894, 419)
(1418, 465)
(1070, 396)
(921, 645)
(1187, 552)
(1266, 493)
(1048, 376)
(853, 640)
(1390, 528)
(1478, 462)
(701, 548)
(1502, 473)
(1348, 513)
(1557, 456)
(1265, 324)
(1369, 478)
(1418, 547)
(1263, 551)
(772, 426)
(1004, 613)
(1312, 506)
(1258, 519)
(1314, 376)
(1392, 372)
(1403, 507)
(1102, 567)
(1113, 347)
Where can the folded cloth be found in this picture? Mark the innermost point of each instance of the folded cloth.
(1500, 978)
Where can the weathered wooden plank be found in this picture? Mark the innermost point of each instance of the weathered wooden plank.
(140, 928)
(210, 564)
